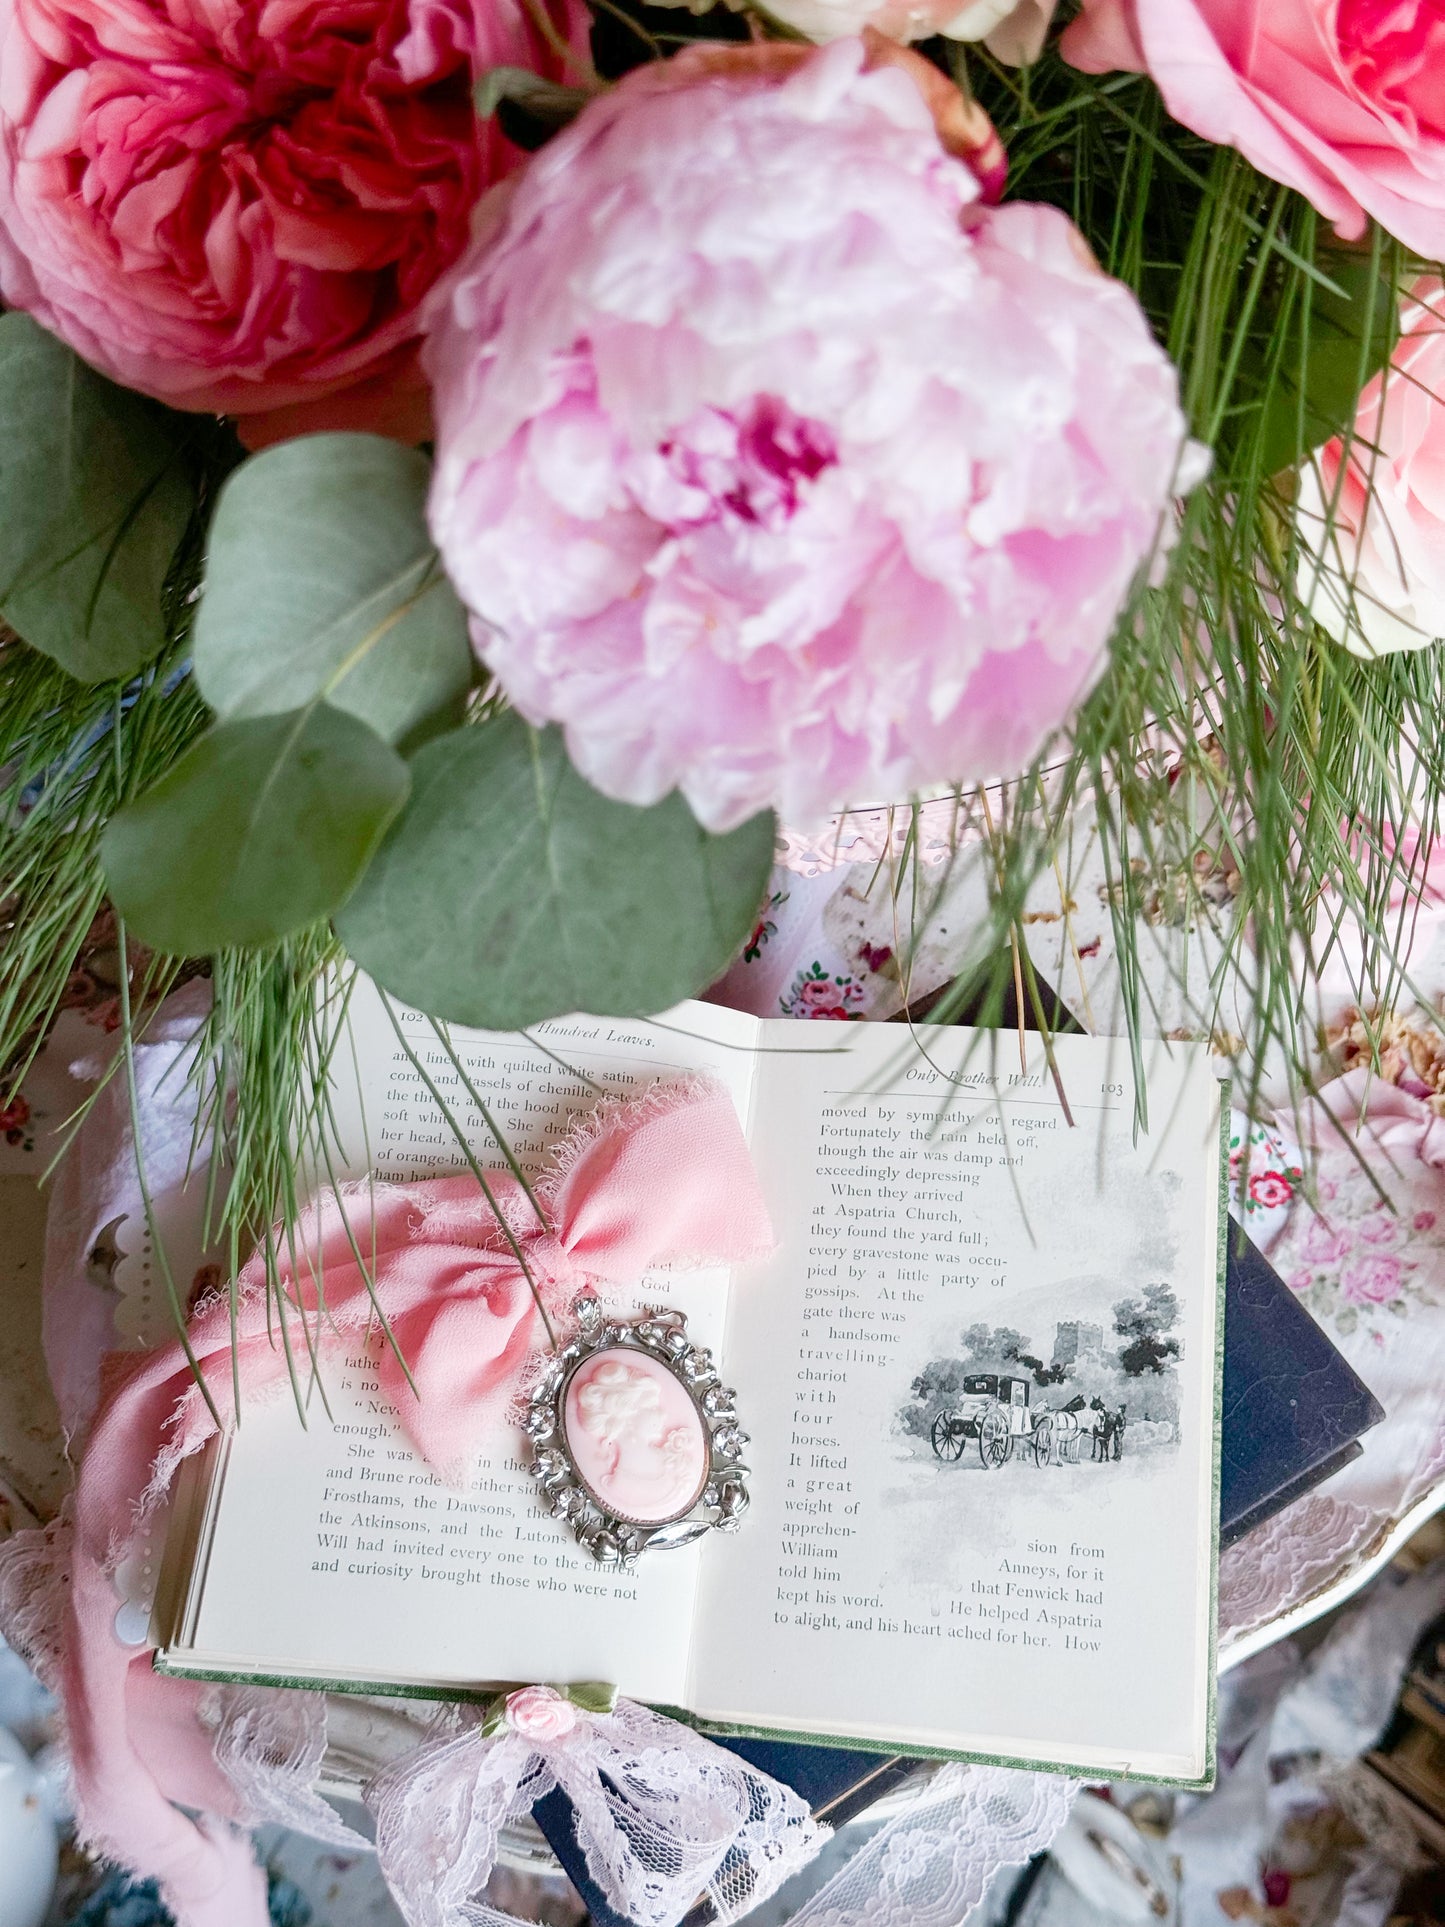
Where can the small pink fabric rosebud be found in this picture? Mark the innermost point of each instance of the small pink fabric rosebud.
(540, 1713)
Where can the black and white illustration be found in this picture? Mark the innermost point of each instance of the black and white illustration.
(1102, 1389)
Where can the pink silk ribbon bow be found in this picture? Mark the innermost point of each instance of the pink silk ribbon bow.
(662, 1180)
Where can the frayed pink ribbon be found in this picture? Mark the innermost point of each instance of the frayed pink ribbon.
(666, 1179)
(662, 1815)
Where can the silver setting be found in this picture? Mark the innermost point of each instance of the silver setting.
(660, 1334)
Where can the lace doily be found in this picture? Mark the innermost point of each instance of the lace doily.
(866, 836)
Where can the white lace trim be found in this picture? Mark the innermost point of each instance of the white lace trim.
(930, 1866)
(663, 1816)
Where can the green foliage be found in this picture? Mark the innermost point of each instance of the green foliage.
(1323, 343)
(261, 828)
(1229, 731)
(509, 891)
(69, 756)
(96, 495)
(322, 582)
(544, 100)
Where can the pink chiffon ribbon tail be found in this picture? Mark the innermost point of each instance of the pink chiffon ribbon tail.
(664, 1180)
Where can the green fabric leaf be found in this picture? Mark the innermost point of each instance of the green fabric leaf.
(261, 828)
(95, 496)
(509, 891)
(322, 581)
(592, 1695)
(1327, 354)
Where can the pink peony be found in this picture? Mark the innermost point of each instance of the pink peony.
(1371, 1279)
(540, 1713)
(1342, 99)
(771, 464)
(239, 204)
(1373, 522)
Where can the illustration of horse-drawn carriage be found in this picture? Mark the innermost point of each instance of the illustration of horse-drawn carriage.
(995, 1414)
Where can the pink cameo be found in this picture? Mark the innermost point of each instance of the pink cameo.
(540, 1713)
(635, 1436)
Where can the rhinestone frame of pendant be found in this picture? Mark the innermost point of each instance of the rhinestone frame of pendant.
(660, 1333)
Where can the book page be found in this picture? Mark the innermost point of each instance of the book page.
(336, 1551)
(980, 1378)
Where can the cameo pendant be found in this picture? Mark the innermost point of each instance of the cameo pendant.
(635, 1441)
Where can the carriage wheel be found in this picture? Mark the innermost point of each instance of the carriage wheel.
(995, 1442)
(948, 1443)
(1043, 1440)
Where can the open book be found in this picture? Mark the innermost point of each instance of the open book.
(980, 1378)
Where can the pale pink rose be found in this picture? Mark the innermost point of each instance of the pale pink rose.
(240, 204)
(1372, 519)
(540, 1713)
(1300, 1280)
(1322, 1244)
(1379, 1228)
(775, 468)
(1373, 1278)
(1342, 99)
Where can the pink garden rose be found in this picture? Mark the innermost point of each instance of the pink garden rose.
(540, 1713)
(1372, 1278)
(240, 204)
(1342, 99)
(1372, 518)
(772, 464)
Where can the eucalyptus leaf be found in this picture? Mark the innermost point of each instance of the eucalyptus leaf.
(510, 891)
(1329, 350)
(95, 496)
(261, 828)
(322, 582)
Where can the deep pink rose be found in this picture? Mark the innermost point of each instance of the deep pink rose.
(1269, 1189)
(821, 1000)
(240, 204)
(773, 465)
(1373, 1278)
(1423, 1221)
(1342, 99)
(540, 1713)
